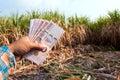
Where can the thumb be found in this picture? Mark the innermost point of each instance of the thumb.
(37, 46)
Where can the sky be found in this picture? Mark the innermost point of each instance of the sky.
(90, 8)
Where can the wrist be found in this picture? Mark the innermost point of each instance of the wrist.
(14, 49)
(11, 47)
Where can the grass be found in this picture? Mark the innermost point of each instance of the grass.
(77, 28)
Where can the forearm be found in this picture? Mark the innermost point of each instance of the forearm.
(16, 48)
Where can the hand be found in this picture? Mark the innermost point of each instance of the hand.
(24, 45)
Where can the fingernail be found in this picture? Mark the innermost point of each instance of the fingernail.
(44, 49)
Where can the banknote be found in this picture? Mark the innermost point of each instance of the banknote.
(46, 33)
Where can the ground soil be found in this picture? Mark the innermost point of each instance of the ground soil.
(78, 63)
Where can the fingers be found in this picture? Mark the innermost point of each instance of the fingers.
(45, 49)
(40, 47)
(36, 46)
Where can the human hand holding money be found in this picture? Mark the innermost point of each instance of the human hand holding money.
(45, 33)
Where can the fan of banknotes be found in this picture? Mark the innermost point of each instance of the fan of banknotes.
(45, 33)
